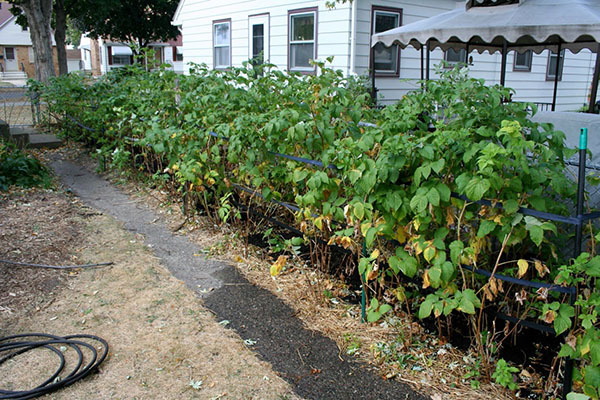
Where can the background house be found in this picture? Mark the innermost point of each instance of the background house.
(102, 55)
(288, 33)
(16, 51)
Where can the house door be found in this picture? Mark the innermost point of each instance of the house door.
(258, 38)
(10, 59)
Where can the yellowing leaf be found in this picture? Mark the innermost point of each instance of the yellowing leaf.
(319, 223)
(523, 267)
(541, 268)
(401, 235)
(239, 259)
(346, 242)
(426, 282)
(364, 228)
(429, 253)
(278, 265)
(375, 254)
(549, 316)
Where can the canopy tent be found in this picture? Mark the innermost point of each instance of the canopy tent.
(506, 25)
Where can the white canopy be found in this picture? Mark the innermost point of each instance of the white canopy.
(525, 25)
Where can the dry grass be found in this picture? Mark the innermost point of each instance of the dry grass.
(161, 337)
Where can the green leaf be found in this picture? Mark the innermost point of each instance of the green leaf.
(434, 197)
(476, 188)
(592, 267)
(595, 353)
(438, 165)
(419, 203)
(394, 263)
(300, 175)
(592, 376)
(370, 237)
(511, 206)
(577, 396)
(359, 210)
(485, 227)
(562, 320)
(409, 266)
(354, 175)
(425, 308)
(444, 192)
(536, 233)
(456, 249)
(376, 310)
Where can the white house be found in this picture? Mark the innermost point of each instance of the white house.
(101, 55)
(288, 33)
(16, 51)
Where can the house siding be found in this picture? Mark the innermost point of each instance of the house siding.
(197, 17)
(334, 39)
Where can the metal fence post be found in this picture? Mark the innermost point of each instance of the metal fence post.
(583, 136)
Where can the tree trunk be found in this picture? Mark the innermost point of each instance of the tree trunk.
(60, 33)
(39, 14)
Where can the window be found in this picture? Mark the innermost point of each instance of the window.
(453, 57)
(302, 27)
(386, 60)
(177, 54)
(258, 38)
(523, 61)
(552, 62)
(258, 43)
(9, 53)
(222, 44)
(121, 59)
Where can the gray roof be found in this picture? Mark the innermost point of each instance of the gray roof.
(530, 25)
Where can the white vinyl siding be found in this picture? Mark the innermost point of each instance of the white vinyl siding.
(334, 37)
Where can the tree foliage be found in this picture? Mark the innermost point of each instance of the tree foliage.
(139, 21)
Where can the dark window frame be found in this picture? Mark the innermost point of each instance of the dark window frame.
(214, 23)
(452, 64)
(560, 67)
(394, 10)
(315, 11)
(521, 68)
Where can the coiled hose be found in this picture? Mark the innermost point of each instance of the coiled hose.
(15, 345)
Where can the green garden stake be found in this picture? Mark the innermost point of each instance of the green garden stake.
(363, 300)
(583, 137)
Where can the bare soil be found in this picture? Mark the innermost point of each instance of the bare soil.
(164, 343)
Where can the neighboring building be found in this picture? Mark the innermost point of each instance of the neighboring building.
(16, 52)
(289, 32)
(101, 56)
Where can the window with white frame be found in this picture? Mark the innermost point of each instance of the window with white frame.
(222, 44)
(386, 59)
(302, 39)
(121, 59)
(552, 65)
(523, 61)
(453, 57)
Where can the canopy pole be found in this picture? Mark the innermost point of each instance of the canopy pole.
(556, 75)
(427, 63)
(503, 67)
(422, 62)
(595, 82)
(372, 71)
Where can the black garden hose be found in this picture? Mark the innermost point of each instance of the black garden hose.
(14, 345)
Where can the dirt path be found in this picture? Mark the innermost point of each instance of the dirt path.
(311, 363)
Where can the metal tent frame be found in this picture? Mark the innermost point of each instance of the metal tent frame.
(503, 26)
